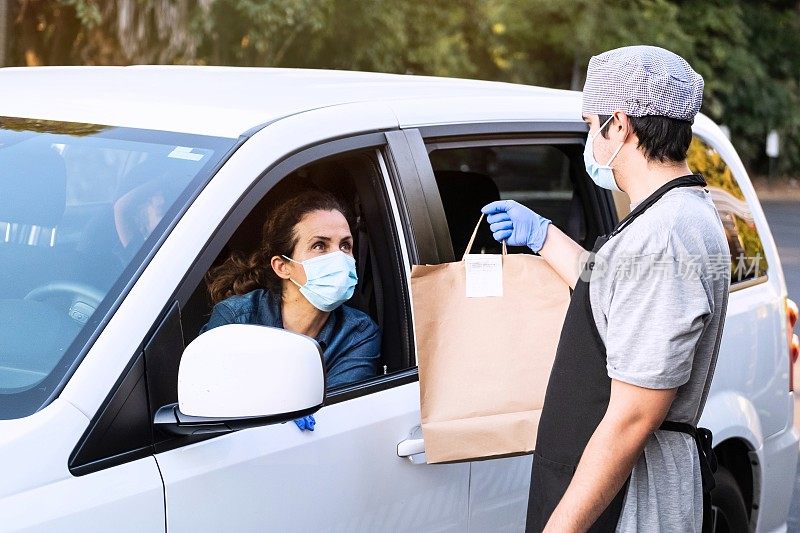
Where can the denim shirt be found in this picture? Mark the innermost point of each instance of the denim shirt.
(350, 340)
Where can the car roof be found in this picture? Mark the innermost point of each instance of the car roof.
(228, 101)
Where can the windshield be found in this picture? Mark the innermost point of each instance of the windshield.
(81, 208)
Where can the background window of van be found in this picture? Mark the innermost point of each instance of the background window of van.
(748, 260)
(537, 176)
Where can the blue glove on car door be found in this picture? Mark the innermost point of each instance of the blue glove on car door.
(516, 224)
(307, 422)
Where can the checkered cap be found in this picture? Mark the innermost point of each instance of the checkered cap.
(642, 80)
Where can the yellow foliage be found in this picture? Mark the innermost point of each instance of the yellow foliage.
(706, 161)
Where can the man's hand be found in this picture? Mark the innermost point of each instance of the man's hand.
(633, 414)
(516, 224)
(519, 226)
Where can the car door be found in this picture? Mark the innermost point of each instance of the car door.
(346, 475)
(467, 168)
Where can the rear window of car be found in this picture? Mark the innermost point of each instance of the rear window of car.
(81, 208)
(747, 260)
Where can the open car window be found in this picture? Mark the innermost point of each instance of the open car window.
(354, 180)
(539, 176)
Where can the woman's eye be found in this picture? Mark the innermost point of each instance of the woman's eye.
(346, 246)
(318, 246)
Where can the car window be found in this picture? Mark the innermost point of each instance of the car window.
(539, 176)
(354, 180)
(748, 260)
(80, 204)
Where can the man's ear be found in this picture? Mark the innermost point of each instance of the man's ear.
(280, 266)
(620, 128)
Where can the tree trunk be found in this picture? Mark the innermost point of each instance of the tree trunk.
(66, 28)
(4, 9)
(29, 41)
(576, 81)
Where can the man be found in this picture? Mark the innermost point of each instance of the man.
(618, 448)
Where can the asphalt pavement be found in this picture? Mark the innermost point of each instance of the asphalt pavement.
(784, 221)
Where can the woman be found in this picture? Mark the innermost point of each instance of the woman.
(298, 279)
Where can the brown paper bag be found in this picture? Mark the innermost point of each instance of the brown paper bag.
(484, 362)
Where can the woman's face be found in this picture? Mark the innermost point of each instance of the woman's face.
(318, 233)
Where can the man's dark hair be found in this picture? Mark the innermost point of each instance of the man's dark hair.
(663, 139)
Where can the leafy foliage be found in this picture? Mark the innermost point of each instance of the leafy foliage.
(748, 52)
(704, 160)
(49, 126)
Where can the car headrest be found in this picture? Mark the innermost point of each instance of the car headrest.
(33, 184)
(463, 195)
(156, 168)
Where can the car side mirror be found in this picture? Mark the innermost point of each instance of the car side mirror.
(239, 376)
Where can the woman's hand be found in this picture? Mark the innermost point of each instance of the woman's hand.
(306, 423)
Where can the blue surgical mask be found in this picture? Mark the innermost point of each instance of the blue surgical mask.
(330, 279)
(602, 175)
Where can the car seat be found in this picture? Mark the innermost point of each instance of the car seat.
(32, 204)
(575, 225)
(100, 237)
(463, 195)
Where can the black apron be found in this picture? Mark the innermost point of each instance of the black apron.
(577, 398)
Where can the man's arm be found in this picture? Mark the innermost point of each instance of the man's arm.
(564, 255)
(670, 306)
(633, 414)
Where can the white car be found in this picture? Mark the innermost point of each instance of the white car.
(121, 187)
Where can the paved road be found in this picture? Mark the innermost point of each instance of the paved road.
(784, 221)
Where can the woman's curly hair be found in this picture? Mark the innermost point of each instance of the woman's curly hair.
(242, 273)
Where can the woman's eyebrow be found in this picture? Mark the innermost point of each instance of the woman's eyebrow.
(319, 238)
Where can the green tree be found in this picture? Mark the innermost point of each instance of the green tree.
(748, 52)
(106, 32)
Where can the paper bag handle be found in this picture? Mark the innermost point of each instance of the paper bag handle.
(472, 239)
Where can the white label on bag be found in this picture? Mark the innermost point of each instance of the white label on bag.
(484, 275)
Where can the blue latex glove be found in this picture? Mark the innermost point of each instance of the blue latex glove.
(516, 224)
(307, 422)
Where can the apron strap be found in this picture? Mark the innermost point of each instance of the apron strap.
(708, 465)
(692, 180)
(703, 439)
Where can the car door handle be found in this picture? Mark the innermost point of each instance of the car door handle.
(410, 447)
(413, 448)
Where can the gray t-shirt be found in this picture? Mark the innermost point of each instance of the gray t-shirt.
(659, 293)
